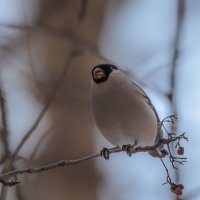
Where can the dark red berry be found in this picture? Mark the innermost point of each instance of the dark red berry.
(181, 186)
(180, 151)
(178, 191)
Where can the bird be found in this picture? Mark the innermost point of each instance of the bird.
(123, 112)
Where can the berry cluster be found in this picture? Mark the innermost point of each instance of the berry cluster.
(177, 189)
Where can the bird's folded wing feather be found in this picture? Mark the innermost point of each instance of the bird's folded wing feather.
(148, 101)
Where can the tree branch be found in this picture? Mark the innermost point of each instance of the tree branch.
(172, 95)
(64, 163)
(47, 105)
(69, 35)
(4, 129)
(61, 163)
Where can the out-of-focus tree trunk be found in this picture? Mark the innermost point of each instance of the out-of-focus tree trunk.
(34, 61)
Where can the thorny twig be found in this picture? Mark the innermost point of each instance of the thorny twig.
(64, 163)
(175, 188)
(68, 35)
(174, 159)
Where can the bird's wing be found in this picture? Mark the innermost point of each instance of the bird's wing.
(159, 136)
(148, 101)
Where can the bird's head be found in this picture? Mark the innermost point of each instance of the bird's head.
(101, 72)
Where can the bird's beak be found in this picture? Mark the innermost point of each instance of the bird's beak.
(98, 74)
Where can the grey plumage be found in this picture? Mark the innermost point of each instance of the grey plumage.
(122, 110)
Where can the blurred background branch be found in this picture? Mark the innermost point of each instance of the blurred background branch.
(172, 94)
(4, 127)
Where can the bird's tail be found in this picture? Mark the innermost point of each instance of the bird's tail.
(160, 152)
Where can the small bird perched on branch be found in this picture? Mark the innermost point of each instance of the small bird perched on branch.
(123, 112)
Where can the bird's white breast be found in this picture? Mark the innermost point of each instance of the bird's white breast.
(121, 112)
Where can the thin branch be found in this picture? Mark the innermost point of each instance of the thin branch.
(29, 56)
(177, 41)
(31, 130)
(4, 133)
(61, 163)
(169, 180)
(28, 37)
(35, 150)
(64, 163)
(69, 35)
(32, 156)
(47, 105)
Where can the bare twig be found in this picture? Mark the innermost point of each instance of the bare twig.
(29, 56)
(31, 158)
(47, 105)
(64, 163)
(4, 129)
(28, 37)
(73, 37)
(61, 163)
(169, 180)
(31, 130)
(173, 159)
(177, 41)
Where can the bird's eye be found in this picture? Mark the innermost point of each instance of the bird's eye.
(98, 74)
(114, 67)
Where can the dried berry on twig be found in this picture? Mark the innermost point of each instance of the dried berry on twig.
(180, 150)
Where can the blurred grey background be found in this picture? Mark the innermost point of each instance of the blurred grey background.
(47, 51)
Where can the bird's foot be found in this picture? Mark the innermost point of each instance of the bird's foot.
(128, 148)
(164, 152)
(105, 153)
